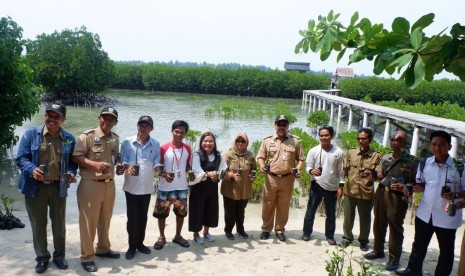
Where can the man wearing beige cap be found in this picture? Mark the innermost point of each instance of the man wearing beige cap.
(281, 158)
(95, 153)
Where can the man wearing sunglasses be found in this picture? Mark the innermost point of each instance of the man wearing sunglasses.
(278, 155)
(360, 166)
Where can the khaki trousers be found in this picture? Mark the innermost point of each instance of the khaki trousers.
(277, 193)
(389, 210)
(95, 202)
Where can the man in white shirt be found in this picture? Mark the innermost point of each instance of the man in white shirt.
(324, 164)
(140, 154)
(439, 171)
(172, 186)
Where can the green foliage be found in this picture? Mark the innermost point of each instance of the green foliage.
(350, 139)
(207, 80)
(307, 143)
(318, 118)
(341, 261)
(379, 89)
(248, 108)
(257, 185)
(70, 63)
(191, 137)
(18, 101)
(403, 46)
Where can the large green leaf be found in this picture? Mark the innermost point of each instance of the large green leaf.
(379, 66)
(330, 15)
(419, 72)
(356, 56)
(424, 21)
(324, 55)
(354, 18)
(341, 54)
(457, 30)
(311, 25)
(365, 25)
(401, 61)
(298, 47)
(401, 26)
(415, 38)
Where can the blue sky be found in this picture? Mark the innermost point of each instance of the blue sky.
(252, 32)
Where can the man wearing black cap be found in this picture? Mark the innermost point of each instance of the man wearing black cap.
(277, 158)
(95, 153)
(44, 158)
(140, 155)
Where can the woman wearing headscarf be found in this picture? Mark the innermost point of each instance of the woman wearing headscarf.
(236, 188)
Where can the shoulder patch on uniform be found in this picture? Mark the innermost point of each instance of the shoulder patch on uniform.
(268, 137)
(295, 136)
(89, 131)
(112, 133)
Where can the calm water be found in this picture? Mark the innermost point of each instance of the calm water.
(164, 109)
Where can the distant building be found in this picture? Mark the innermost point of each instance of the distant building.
(345, 72)
(297, 66)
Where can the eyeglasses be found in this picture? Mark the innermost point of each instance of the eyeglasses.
(240, 141)
(362, 138)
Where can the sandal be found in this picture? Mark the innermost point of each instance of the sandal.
(198, 239)
(159, 244)
(181, 241)
(209, 237)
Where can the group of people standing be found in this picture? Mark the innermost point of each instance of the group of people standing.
(48, 157)
(399, 174)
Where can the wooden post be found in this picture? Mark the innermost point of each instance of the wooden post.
(365, 119)
(387, 130)
(415, 141)
(351, 115)
(331, 114)
(455, 146)
(339, 117)
(314, 104)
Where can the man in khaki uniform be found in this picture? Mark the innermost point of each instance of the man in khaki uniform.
(95, 153)
(391, 200)
(361, 165)
(276, 158)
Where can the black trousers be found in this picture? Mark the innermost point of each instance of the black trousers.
(203, 206)
(137, 207)
(423, 234)
(234, 213)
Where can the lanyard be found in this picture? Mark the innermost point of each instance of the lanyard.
(176, 157)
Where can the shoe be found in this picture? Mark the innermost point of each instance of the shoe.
(345, 243)
(374, 255)
(160, 243)
(209, 237)
(364, 246)
(17, 223)
(89, 266)
(61, 264)
(281, 236)
(243, 234)
(305, 237)
(41, 267)
(130, 254)
(229, 235)
(392, 265)
(198, 239)
(331, 241)
(110, 254)
(264, 235)
(144, 249)
(408, 272)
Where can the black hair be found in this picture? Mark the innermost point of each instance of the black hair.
(367, 131)
(441, 133)
(328, 128)
(202, 153)
(180, 123)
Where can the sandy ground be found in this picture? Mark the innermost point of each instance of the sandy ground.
(222, 257)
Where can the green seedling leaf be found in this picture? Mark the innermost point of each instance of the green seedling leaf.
(354, 18)
(415, 38)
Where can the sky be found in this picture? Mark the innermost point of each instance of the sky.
(249, 32)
